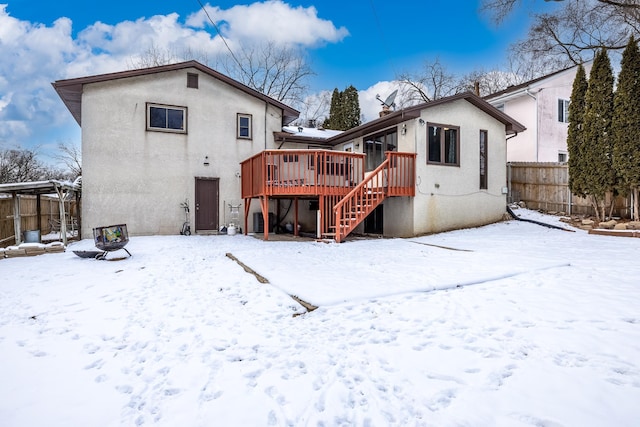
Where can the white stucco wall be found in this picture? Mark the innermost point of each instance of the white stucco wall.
(522, 147)
(449, 197)
(536, 107)
(140, 177)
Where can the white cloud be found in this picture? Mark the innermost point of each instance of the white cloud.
(34, 55)
(273, 21)
(370, 106)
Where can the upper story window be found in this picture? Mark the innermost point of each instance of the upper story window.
(443, 144)
(563, 110)
(244, 126)
(166, 118)
(192, 80)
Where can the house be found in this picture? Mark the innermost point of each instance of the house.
(153, 138)
(428, 168)
(542, 105)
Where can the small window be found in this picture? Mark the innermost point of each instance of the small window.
(443, 144)
(483, 159)
(244, 126)
(165, 118)
(563, 111)
(563, 157)
(192, 80)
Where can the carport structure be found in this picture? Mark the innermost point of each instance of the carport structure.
(63, 189)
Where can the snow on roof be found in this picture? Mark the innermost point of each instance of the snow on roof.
(311, 132)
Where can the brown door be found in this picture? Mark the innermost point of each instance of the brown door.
(206, 204)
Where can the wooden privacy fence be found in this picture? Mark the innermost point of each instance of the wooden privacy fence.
(545, 186)
(49, 218)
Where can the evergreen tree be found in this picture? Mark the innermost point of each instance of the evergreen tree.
(345, 110)
(351, 105)
(626, 124)
(597, 143)
(334, 112)
(575, 134)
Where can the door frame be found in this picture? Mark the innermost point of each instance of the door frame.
(213, 208)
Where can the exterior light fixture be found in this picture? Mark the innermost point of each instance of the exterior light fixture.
(206, 161)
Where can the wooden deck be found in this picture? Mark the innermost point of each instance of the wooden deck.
(336, 178)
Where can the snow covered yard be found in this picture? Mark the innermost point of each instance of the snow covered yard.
(544, 330)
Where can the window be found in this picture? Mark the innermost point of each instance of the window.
(192, 80)
(166, 119)
(563, 111)
(483, 159)
(244, 126)
(376, 145)
(443, 144)
(563, 157)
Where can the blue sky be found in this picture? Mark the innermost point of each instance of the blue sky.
(363, 42)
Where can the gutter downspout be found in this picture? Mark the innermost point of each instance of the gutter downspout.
(266, 107)
(536, 133)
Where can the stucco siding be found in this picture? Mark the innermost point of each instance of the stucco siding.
(140, 177)
(449, 197)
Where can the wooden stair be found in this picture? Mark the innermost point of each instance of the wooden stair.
(353, 208)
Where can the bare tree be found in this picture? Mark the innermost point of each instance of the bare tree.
(573, 33)
(280, 72)
(71, 155)
(314, 109)
(154, 56)
(432, 82)
(20, 166)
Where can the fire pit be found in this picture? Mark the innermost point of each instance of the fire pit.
(108, 239)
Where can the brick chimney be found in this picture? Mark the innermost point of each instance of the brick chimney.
(385, 111)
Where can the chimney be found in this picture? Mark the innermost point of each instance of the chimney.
(476, 87)
(385, 111)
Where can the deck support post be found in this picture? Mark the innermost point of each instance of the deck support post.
(264, 203)
(247, 205)
(295, 216)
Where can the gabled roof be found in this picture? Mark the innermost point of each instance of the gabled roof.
(70, 90)
(527, 85)
(511, 125)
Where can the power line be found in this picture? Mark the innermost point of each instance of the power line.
(223, 39)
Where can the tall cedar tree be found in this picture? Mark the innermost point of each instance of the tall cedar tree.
(626, 124)
(345, 110)
(351, 104)
(575, 140)
(599, 177)
(334, 111)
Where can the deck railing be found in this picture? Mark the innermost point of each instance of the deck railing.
(301, 172)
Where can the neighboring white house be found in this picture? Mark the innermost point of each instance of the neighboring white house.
(542, 105)
(153, 137)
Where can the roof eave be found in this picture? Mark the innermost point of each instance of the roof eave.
(70, 90)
